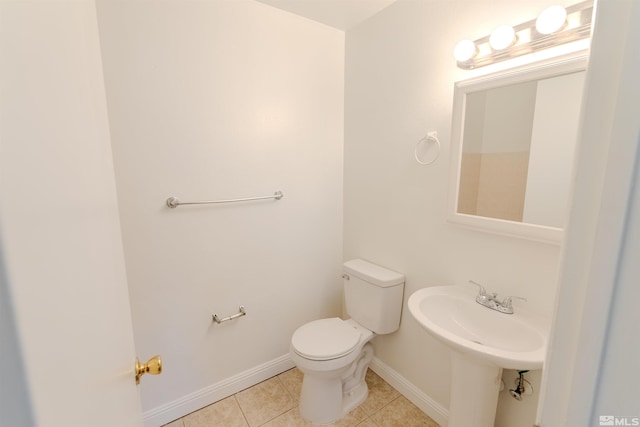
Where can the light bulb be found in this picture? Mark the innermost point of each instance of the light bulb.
(551, 19)
(464, 50)
(502, 37)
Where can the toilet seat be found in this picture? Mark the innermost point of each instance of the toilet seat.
(325, 339)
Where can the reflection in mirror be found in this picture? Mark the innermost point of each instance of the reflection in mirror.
(517, 137)
(517, 150)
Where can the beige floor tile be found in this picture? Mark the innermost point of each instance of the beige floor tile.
(402, 413)
(359, 413)
(353, 418)
(264, 401)
(380, 393)
(368, 423)
(292, 381)
(274, 403)
(225, 413)
(293, 418)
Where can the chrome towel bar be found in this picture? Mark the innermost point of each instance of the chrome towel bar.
(174, 202)
(242, 312)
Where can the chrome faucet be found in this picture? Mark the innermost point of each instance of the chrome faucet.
(490, 300)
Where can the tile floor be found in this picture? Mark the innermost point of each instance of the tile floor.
(274, 403)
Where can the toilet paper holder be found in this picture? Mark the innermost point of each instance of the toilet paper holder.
(242, 312)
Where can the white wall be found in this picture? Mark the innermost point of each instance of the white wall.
(216, 100)
(399, 81)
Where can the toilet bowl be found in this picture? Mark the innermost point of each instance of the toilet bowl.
(334, 354)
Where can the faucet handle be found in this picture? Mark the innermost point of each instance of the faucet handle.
(482, 291)
(507, 301)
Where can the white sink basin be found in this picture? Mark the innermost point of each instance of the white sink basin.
(451, 315)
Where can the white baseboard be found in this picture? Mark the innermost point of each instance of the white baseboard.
(429, 406)
(178, 408)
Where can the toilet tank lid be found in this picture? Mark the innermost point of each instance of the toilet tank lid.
(373, 273)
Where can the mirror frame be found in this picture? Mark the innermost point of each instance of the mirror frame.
(516, 229)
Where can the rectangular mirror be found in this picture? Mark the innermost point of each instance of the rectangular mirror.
(513, 143)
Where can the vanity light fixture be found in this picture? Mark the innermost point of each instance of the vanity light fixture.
(551, 20)
(502, 37)
(555, 26)
(465, 50)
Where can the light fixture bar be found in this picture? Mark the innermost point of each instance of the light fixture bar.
(529, 40)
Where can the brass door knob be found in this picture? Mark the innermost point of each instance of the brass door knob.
(153, 367)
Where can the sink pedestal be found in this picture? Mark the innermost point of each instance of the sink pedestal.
(474, 391)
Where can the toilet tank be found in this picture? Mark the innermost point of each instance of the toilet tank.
(373, 295)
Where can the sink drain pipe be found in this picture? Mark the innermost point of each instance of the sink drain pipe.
(523, 387)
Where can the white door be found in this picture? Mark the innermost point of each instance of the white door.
(61, 242)
(593, 357)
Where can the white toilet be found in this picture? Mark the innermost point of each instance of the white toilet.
(334, 354)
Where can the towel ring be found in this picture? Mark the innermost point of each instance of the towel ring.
(431, 138)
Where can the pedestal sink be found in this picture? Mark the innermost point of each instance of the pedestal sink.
(482, 342)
